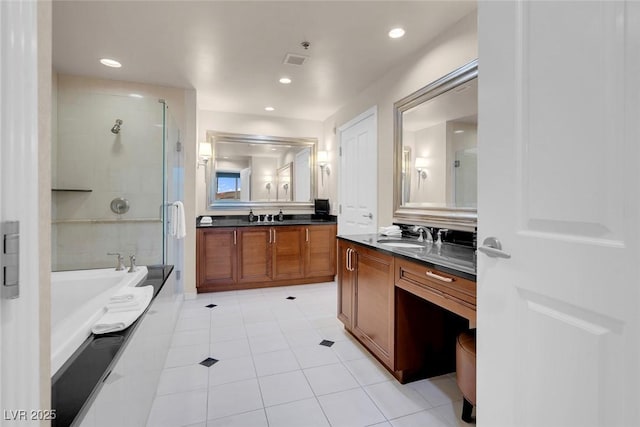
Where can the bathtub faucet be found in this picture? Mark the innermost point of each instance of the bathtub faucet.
(120, 265)
(132, 258)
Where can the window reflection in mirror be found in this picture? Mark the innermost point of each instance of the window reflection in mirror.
(439, 143)
(252, 170)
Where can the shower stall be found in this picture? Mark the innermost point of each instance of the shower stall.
(113, 183)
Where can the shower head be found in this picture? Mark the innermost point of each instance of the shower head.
(116, 128)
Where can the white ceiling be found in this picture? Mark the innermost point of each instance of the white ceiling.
(231, 52)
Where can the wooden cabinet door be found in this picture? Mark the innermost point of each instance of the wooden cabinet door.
(288, 252)
(254, 254)
(320, 253)
(216, 257)
(374, 302)
(346, 279)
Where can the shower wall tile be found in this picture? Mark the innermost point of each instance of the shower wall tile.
(127, 165)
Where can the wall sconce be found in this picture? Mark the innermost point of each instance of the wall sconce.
(268, 187)
(323, 162)
(204, 154)
(421, 165)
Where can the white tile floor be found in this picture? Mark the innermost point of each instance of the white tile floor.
(272, 370)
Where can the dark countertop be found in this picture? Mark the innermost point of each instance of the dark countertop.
(452, 258)
(77, 382)
(243, 221)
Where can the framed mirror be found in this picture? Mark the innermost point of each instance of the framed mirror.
(435, 147)
(249, 171)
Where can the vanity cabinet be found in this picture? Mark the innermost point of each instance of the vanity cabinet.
(288, 247)
(407, 314)
(320, 251)
(347, 256)
(216, 257)
(365, 299)
(254, 254)
(261, 256)
(451, 292)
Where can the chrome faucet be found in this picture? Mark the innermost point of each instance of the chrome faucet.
(421, 238)
(120, 265)
(132, 259)
(440, 231)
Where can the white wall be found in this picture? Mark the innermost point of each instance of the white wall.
(251, 125)
(455, 47)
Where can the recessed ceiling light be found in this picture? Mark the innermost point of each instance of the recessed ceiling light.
(110, 63)
(458, 131)
(285, 80)
(135, 95)
(396, 33)
(269, 108)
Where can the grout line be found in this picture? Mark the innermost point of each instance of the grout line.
(209, 353)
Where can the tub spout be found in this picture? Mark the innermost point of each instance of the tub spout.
(132, 268)
(120, 265)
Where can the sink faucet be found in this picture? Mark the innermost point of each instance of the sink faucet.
(421, 230)
(132, 259)
(120, 265)
(440, 231)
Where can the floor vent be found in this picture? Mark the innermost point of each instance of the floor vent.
(294, 59)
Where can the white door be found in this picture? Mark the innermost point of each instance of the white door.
(19, 329)
(358, 199)
(559, 186)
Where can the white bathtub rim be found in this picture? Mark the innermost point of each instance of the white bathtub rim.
(68, 342)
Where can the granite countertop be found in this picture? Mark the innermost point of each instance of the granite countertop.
(453, 258)
(243, 221)
(76, 383)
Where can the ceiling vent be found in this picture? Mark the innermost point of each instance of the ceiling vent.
(294, 59)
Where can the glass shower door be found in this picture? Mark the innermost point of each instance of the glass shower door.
(173, 189)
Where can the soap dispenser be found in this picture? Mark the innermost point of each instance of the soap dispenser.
(280, 216)
(252, 217)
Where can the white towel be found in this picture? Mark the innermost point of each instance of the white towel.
(120, 320)
(392, 230)
(178, 228)
(127, 294)
(125, 306)
(124, 297)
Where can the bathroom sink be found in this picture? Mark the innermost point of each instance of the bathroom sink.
(399, 244)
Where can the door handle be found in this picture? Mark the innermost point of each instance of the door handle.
(349, 259)
(370, 216)
(270, 239)
(274, 235)
(307, 234)
(493, 248)
(235, 237)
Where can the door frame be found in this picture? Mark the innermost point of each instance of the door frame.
(24, 192)
(370, 113)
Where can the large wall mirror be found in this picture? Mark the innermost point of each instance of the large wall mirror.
(260, 171)
(435, 131)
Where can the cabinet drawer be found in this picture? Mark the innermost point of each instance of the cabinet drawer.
(444, 289)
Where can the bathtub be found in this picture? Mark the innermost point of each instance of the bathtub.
(78, 299)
